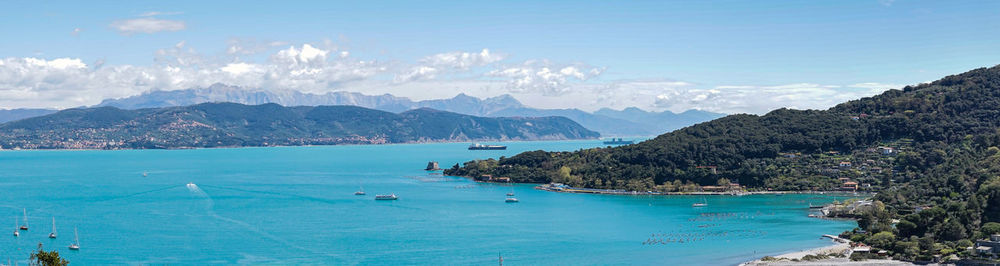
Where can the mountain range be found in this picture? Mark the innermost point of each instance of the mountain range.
(628, 122)
(238, 125)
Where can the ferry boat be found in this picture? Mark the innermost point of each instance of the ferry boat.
(618, 141)
(386, 197)
(478, 146)
(511, 200)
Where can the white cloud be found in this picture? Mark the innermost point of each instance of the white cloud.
(240, 68)
(305, 55)
(158, 13)
(462, 60)
(147, 25)
(543, 76)
(417, 73)
(69, 82)
(762, 99)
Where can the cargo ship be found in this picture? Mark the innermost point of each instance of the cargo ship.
(617, 141)
(478, 146)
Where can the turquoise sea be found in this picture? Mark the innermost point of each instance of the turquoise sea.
(295, 205)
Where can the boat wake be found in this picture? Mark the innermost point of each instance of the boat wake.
(210, 209)
(138, 193)
(196, 190)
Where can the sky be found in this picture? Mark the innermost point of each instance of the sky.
(721, 56)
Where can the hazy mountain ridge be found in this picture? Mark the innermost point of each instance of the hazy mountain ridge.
(628, 122)
(22, 113)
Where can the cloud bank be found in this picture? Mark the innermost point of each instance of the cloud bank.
(71, 82)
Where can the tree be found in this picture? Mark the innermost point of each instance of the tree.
(951, 231)
(882, 240)
(47, 258)
(991, 228)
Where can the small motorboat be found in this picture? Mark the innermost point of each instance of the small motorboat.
(511, 200)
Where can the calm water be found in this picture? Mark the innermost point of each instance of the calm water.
(295, 205)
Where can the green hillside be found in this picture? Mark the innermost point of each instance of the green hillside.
(930, 152)
(234, 125)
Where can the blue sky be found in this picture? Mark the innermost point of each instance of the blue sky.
(631, 52)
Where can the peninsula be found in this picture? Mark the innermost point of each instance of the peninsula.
(236, 125)
(929, 151)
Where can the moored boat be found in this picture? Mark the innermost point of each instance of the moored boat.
(25, 226)
(53, 234)
(703, 203)
(76, 241)
(511, 200)
(360, 192)
(386, 197)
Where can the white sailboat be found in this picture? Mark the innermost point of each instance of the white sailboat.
(53, 234)
(361, 191)
(16, 233)
(76, 240)
(25, 226)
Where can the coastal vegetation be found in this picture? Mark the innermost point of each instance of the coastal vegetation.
(41, 257)
(930, 152)
(237, 125)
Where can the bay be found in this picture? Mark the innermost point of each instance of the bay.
(295, 205)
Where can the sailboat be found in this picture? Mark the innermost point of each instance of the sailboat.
(511, 193)
(703, 203)
(53, 234)
(16, 233)
(76, 240)
(25, 226)
(360, 192)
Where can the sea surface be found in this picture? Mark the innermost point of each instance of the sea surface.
(296, 205)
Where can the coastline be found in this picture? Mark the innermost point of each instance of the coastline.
(306, 145)
(567, 189)
(838, 253)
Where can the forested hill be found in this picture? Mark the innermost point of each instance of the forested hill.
(784, 149)
(229, 124)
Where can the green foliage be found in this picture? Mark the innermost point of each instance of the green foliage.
(882, 240)
(991, 228)
(47, 258)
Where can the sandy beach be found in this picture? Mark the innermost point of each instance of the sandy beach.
(795, 258)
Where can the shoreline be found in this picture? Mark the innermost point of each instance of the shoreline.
(838, 253)
(567, 189)
(307, 145)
